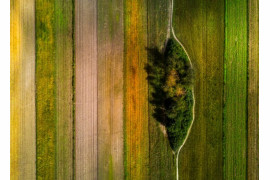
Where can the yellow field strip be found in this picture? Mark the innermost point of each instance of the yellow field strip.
(22, 73)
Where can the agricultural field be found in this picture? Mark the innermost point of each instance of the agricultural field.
(22, 83)
(85, 105)
(200, 26)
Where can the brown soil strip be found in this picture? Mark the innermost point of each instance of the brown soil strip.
(86, 89)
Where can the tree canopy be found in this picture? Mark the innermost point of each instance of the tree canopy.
(170, 78)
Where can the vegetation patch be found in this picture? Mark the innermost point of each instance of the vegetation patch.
(171, 77)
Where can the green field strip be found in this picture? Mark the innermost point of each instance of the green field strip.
(64, 90)
(161, 159)
(235, 90)
(54, 91)
(110, 90)
(189, 22)
(213, 104)
(253, 91)
(22, 90)
(45, 90)
(136, 140)
(86, 94)
(199, 25)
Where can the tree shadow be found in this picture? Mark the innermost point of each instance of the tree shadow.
(156, 62)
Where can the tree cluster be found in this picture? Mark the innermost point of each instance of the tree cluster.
(170, 78)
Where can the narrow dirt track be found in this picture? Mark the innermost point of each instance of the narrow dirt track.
(86, 89)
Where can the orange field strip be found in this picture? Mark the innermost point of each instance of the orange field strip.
(136, 102)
